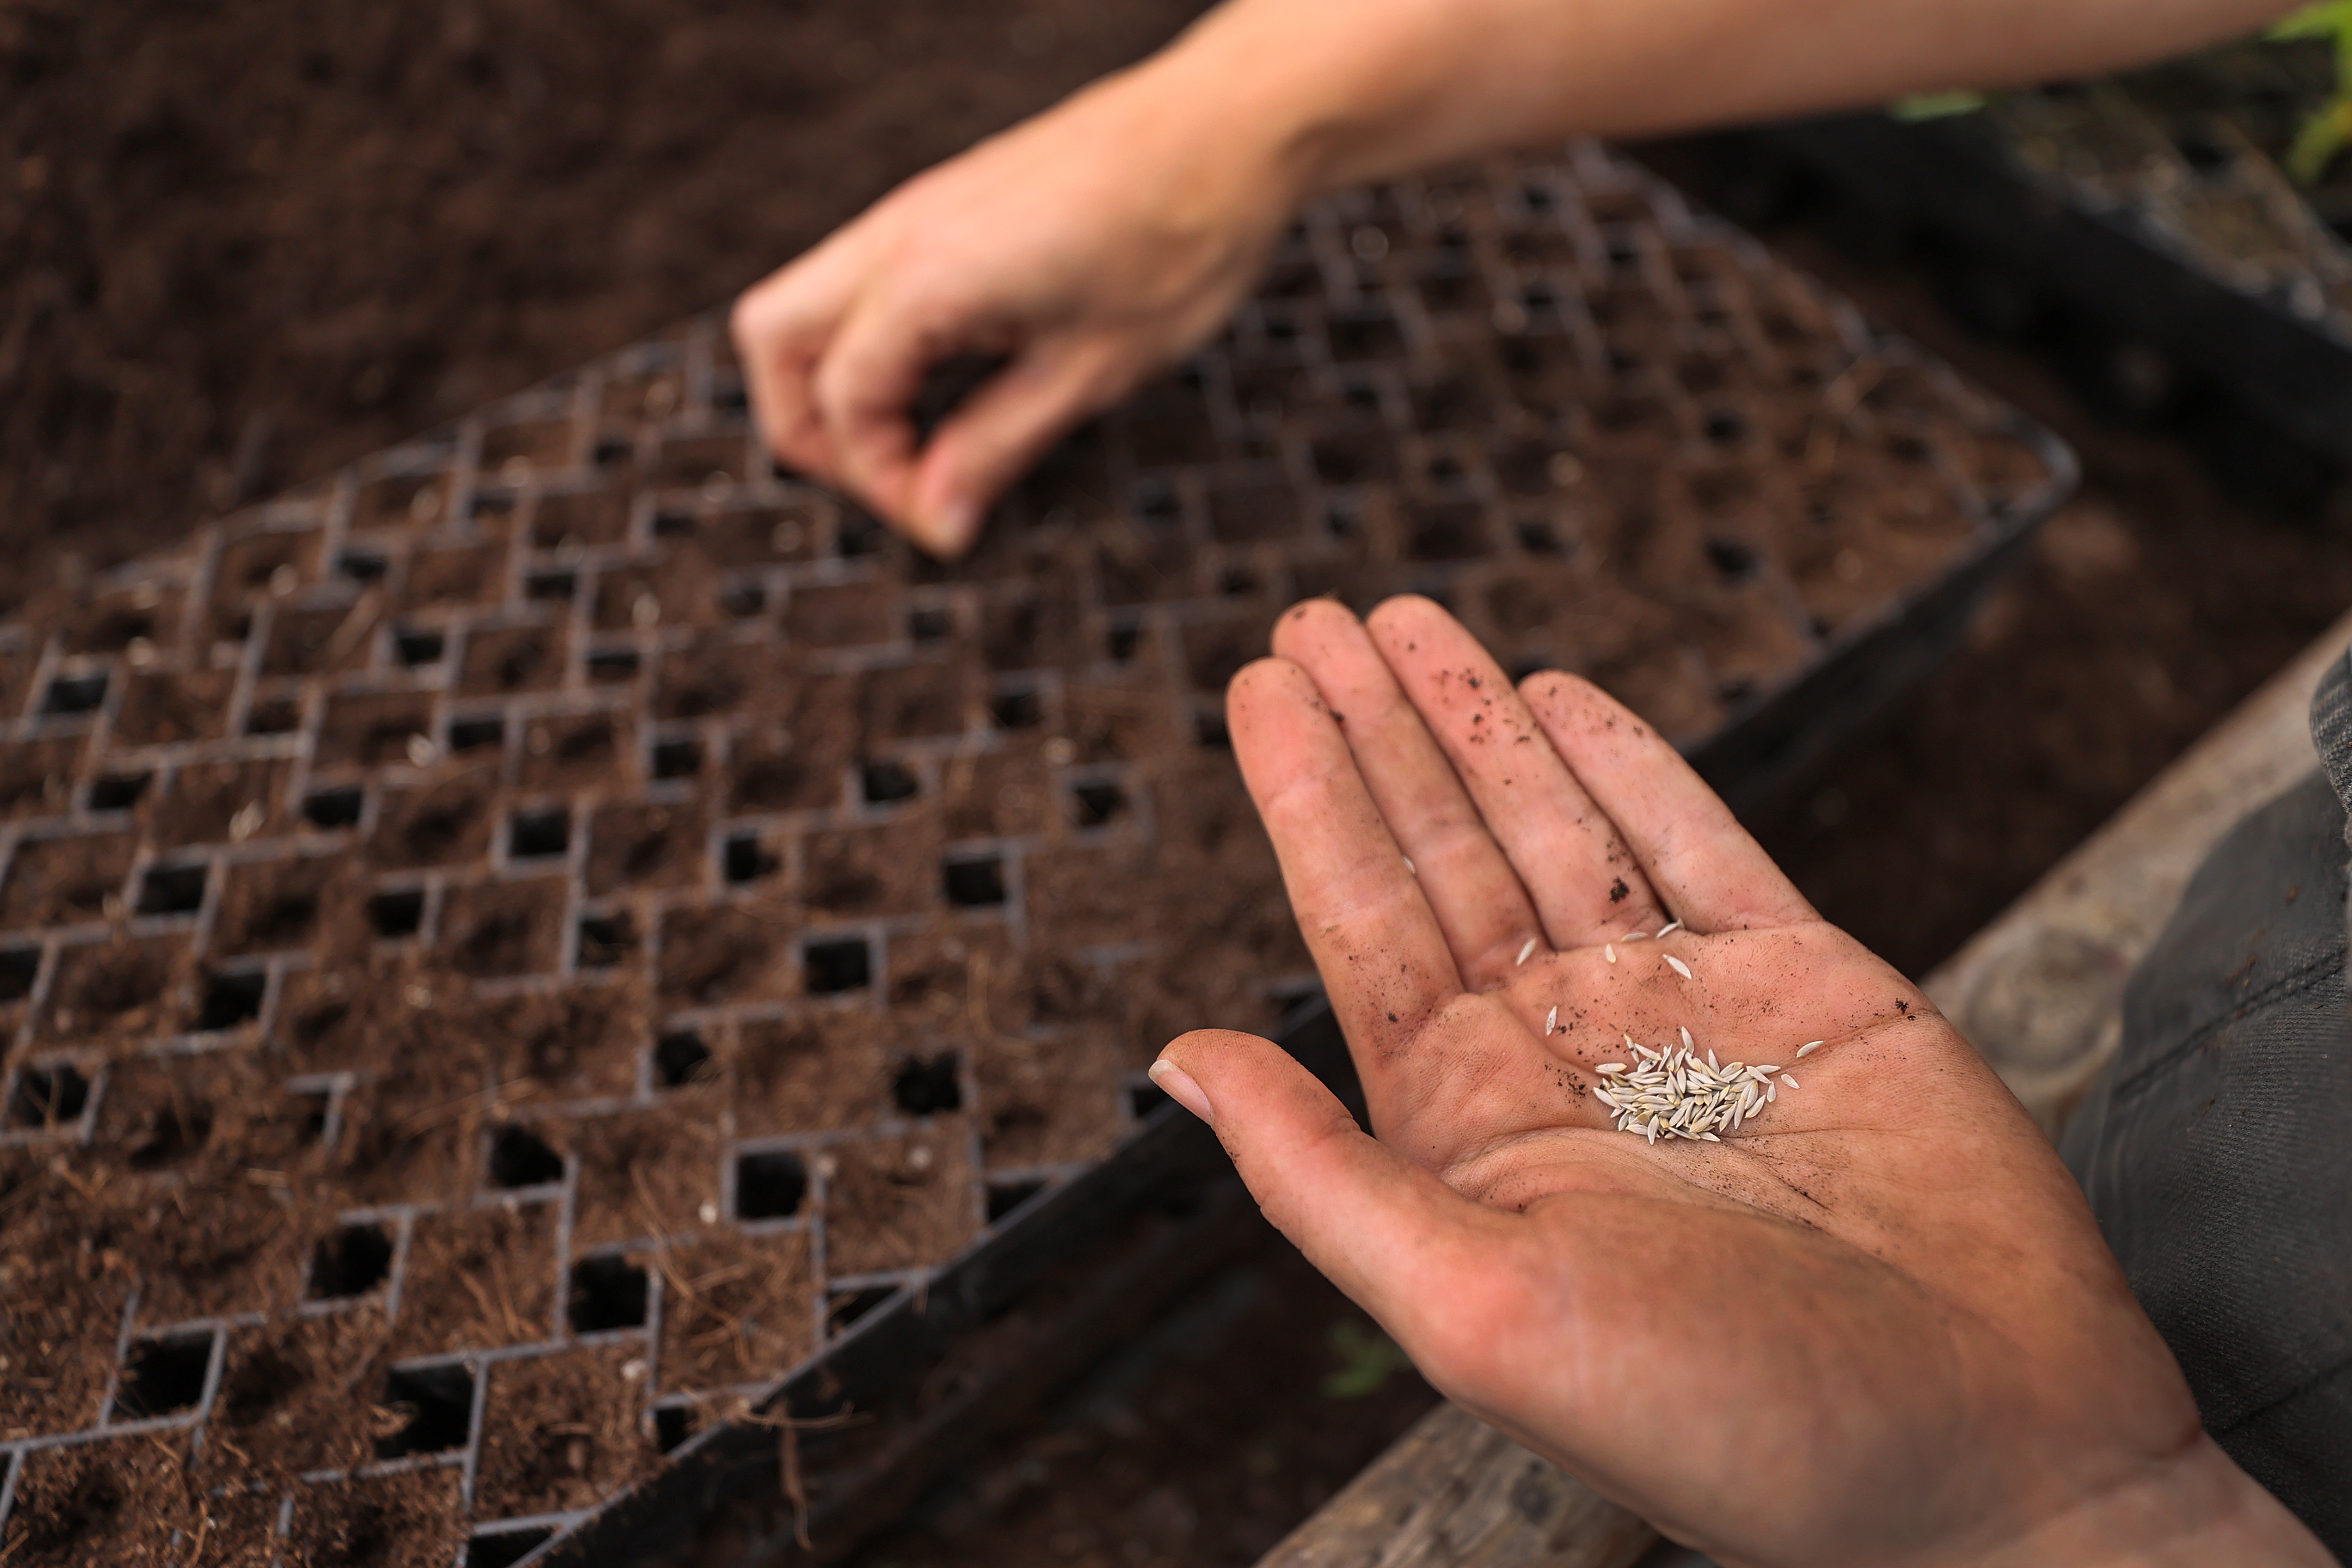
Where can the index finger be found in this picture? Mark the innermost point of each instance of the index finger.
(781, 326)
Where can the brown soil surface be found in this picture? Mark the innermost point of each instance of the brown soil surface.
(253, 244)
(447, 214)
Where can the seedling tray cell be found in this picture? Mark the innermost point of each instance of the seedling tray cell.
(563, 969)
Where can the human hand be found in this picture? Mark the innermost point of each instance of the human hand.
(1876, 1324)
(1090, 246)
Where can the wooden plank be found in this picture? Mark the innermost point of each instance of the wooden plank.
(2039, 991)
(1455, 1493)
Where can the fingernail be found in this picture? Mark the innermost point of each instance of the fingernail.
(1183, 1089)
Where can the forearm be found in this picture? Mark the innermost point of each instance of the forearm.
(1333, 92)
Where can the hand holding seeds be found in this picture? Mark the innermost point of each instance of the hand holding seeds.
(1858, 1313)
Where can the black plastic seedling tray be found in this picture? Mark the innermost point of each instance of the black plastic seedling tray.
(2152, 319)
(569, 998)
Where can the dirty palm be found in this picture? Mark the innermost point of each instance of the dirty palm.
(1881, 1274)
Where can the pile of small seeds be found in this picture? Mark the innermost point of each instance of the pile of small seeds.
(1674, 1092)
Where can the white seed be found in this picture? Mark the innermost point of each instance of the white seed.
(1788, 1080)
(1805, 1050)
(1525, 948)
(420, 751)
(247, 822)
(1635, 936)
(1686, 1042)
(1609, 951)
(1551, 1019)
(1409, 869)
(1678, 966)
(1670, 928)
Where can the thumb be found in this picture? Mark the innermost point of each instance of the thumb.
(1404, 1246)
(1002, 428)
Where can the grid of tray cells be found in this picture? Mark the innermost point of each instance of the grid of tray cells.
(505, 952)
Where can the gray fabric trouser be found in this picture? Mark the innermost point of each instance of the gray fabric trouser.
(2217, 1150)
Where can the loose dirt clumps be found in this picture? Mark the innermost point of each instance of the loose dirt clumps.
(516, 931)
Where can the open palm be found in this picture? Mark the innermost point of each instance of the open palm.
(1874, 1323)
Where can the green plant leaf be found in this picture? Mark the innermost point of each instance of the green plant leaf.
(2325, 19)
(1937, 105)
(1368, 1359)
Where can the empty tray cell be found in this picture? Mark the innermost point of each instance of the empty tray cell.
(19, 967)
(334, 809)
(539, 833)
(974, 882)
(887, 781)
(769, 1184)
(48, 1095)
(163, 1377)
(681, 1057)
(74, 695)
(521, 1158)
(349, 1261)
(475, 734)
(1098, 803)
(607, 1292)
(118, 792)
(680, 757)
(418, 646)
(505, 1548)
(172, 889)
(397, 912)
(434, 1406)
(746, 857)
(606, 939)
(229, 1001)
(927, 1086)
(838, 964)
